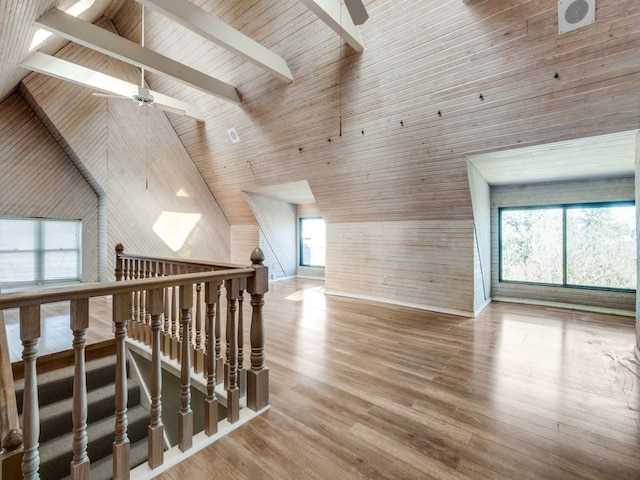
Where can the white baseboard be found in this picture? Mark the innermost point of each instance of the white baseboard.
(371, 298)
(310, 277)
(482, 307)
(280, 279)
(570, 306)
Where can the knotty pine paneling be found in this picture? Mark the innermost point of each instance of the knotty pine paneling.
(607, 190)
(137, 159)
(425, 264)
(39, 180)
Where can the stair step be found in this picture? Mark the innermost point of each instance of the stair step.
(56, 454)
(103, 468)
(56, 418)
(59, 384)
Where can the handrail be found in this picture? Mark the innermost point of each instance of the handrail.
(176, 260)
(140, 298)
(89, 290)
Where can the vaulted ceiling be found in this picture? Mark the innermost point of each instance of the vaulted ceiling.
(381, 134)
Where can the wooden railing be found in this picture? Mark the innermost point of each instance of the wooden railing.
(154, 298)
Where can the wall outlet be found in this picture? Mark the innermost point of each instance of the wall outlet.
(385, 279)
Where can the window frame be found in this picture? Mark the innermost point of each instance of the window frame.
(564, 207)
(300, 243)
(39, 252)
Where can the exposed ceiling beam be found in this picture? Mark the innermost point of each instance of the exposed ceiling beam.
(101, 40)
(357, 11)
(334, 14)
(210, 27)
(64, 70)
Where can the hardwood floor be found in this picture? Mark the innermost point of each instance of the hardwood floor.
(363, 390)
(373, 391)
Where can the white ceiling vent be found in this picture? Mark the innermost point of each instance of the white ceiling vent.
(233, 135)
(574, 14)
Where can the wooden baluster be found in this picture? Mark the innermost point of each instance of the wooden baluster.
(119, 263)
(218, 334)
(79, 319)
(29, 334)
(258, 376)
(133, 326)
(242, 373)
(211, 402)
(185, 419)
(233, 393)
(148, 273)
(142, 325)
(174, 322)
(198, 355)
(166, 334)
(121, 447)
(156, 428)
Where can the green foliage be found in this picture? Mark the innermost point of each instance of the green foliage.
(600, 250)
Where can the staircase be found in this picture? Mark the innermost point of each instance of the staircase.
(55, 396)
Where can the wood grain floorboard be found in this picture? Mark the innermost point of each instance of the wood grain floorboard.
(361, 390)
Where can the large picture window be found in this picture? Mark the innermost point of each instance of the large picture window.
(585, 245)
(34, 251)
(312, 242)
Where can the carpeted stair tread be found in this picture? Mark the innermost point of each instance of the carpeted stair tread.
(53, 386)
(103, 468)
(56, 454)
(56, 417)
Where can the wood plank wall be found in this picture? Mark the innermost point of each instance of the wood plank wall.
(244, 238)
(397, 159)
(426, 264)
(398, 166)
(618, 189)
(277, 222)
(136, 157)
(39, 180)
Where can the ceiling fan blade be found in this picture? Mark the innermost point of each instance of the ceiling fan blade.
(170, 109)
(68, 71)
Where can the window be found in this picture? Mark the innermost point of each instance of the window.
(585, 245)
(312, 242)
(34, 251)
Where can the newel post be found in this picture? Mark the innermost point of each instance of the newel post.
(258, 375)
(119, 270)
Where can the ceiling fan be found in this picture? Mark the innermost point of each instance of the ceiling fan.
(142, 95)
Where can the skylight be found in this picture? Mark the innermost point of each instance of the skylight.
(76, 10)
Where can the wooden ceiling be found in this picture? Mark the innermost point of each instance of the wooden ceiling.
(410, 102)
